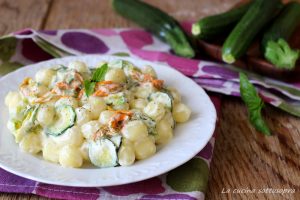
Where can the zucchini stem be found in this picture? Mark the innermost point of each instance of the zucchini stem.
(228, 58)
(281, 54)
(196, 29)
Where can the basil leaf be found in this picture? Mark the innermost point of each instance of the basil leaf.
(100, 73)
(257, 120)
(89, 87)
(254, 104)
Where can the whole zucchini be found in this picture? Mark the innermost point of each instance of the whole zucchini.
(240, 38)
(274, 42)
(158, 22)
(211, 26)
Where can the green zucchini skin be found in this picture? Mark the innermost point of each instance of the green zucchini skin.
(284, 24)
(157, 22)
(211, 26)
(274, 43)
(240, 38)
(67, 115)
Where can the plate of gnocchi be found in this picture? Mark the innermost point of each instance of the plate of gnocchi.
(94, 121)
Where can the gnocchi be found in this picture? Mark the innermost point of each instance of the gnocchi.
(79, 66)
(71, 101)
(144, 148)
(149, 70)
(155, 110)
(31, 143)
(175, 94)
(105, 116)
(134, 130)
(96, 105)
(181, 112)
(116, 75)
(70, 156)
(71, 136)
(45, 115)
(51, 151)
(82, 115)
(89, 128)
(110, 116)
(12, 99)
(164, 132)
(84, 150)
(138, 104)
(126, 155)
(45, 76)
(144, 90)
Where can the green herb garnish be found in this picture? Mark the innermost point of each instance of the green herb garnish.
(254, 104)
(98, 75)
(89, 87)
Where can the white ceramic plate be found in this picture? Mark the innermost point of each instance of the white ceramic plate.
(189, 138)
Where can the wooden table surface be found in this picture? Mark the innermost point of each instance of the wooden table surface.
(243, 158)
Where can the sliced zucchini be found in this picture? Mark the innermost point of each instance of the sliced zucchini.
(103, 153)
(131, 83)
(65, 118)
(28, 125)
(127, 66)
(116, 64)
(61, 73)
(60, 67)
(121, 64)
(19, 111)
(163, 98)
(116, 99)
(34, 113)
(65, 74)
(116, 139)
(150, 123)
(30, 117)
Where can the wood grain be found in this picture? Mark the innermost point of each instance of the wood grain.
(99, 13)
(83, 14)
(20, 14)
(242, 158)
(13, 196)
